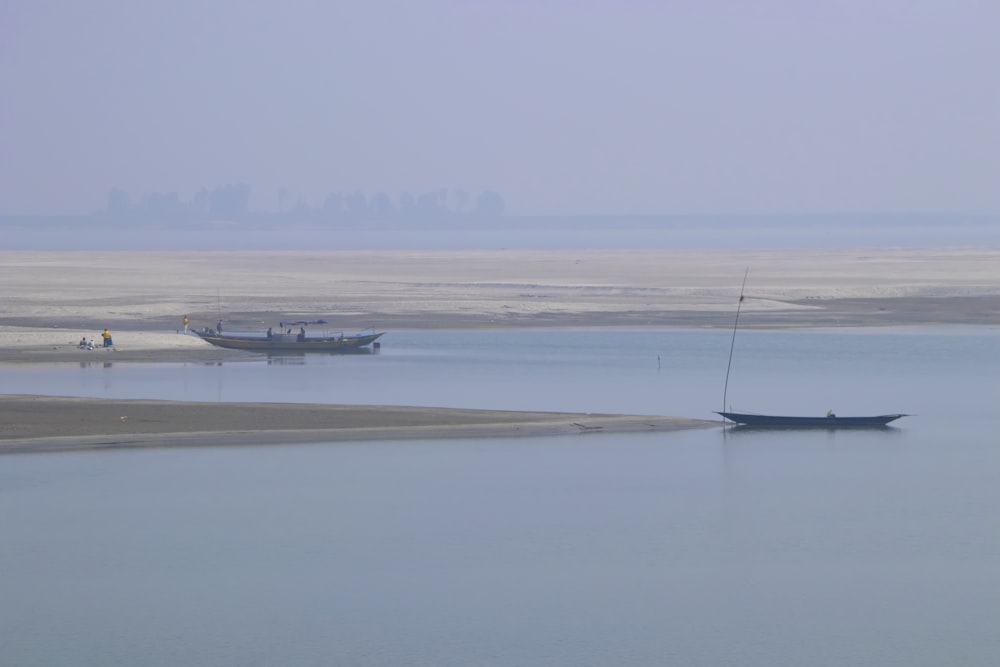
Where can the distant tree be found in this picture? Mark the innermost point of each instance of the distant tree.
(357, 205)
(300, 211)
(427, 204)
(199, 204)
(461, 200)
(229, 201)
(381, 206)
(161, 206)
(333, 206)
(489, 203)
(407, 205)
(118, 203)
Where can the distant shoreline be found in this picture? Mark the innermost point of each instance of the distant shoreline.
(283, 219)
(266, 232)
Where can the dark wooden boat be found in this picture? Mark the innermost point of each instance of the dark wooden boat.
(830, 422)
(285, 342)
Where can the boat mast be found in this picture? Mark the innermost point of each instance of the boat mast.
(732, 344)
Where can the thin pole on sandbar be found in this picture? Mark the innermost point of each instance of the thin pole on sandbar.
(732, 344)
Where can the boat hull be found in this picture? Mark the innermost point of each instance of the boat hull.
(778, 421)
(290, 343)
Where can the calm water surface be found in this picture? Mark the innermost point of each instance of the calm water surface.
(706, 547)
(742, 231)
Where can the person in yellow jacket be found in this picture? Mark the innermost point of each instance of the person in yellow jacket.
(107, 338)
(185, 321)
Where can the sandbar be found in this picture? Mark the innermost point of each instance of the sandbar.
(58, 424)
(55, 298)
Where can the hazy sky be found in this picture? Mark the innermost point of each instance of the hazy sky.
(670, 106)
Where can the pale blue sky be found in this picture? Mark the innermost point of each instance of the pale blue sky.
(696, 106)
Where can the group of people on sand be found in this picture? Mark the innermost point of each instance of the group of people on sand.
(89, 344)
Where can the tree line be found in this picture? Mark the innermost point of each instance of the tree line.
(230, 202)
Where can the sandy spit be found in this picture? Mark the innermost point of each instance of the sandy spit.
(54, 424)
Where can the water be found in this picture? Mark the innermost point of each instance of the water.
(946, 371)
(697, 548)
(583, 232)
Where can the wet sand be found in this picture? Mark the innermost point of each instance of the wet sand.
(53, 299)
(47, 424)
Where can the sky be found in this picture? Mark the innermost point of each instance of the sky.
(564, 108)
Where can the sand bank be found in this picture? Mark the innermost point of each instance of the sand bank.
(47, 424)
(56, 344)
(52, 299)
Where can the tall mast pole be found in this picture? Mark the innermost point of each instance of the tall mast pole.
(732, 344)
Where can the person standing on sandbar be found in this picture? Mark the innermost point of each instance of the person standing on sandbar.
(107, 338)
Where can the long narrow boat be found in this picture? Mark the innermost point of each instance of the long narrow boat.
(830, 422)
(283, 342)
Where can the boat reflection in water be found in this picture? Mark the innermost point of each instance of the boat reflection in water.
(95, 364)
